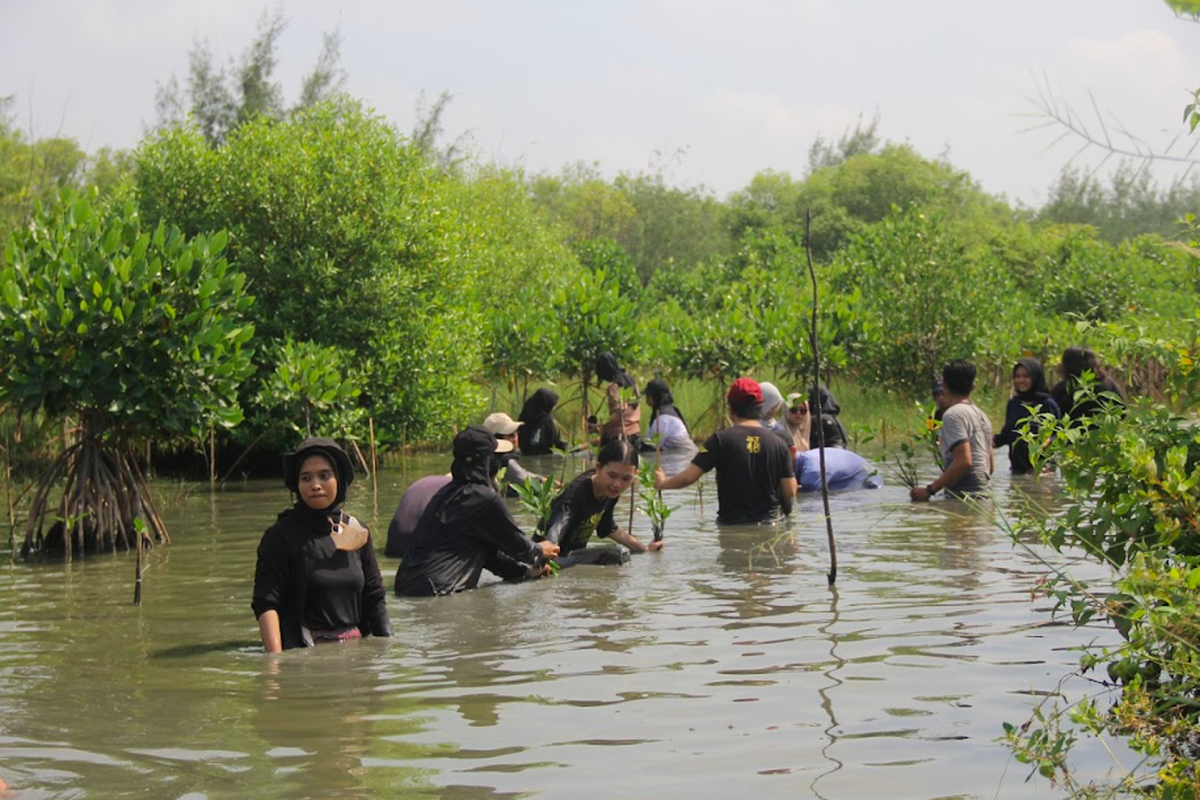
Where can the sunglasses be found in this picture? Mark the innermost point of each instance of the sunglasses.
(798, 410)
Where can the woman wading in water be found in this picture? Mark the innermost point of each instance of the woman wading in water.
(317, 579)
(586, 507)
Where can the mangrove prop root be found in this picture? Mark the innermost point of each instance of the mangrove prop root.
(104, 493)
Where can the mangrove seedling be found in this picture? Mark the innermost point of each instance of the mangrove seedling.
(653, 505)
(537, 496)
(907, 457)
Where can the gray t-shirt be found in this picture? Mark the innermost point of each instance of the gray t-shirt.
(965, 422)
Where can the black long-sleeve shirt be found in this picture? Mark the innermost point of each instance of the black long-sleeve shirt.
(311, 584)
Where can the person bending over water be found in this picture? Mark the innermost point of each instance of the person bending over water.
(844, 471)
(317, 579)
(587, 506)
(756, 478)
(467, 528)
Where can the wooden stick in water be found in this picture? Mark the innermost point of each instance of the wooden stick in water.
(832, 575)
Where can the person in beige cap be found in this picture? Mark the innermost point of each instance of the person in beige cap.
(505, 428)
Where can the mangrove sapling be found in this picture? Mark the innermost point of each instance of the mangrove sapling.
(537, 497)
(653, 505)
(908, 458)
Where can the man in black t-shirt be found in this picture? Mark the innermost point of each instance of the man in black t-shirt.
(756, 479)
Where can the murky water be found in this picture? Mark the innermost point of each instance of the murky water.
(723, 667)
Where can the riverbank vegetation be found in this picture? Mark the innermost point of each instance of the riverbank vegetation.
(399, 285)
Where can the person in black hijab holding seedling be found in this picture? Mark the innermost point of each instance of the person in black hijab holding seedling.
(467, 528)
(317, 579)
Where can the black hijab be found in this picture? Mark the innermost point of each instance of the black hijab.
(343, 470)
(828, 404)
(538, 407)
(608, 370)
(470, 490)
(661, 401)
(1038, 392)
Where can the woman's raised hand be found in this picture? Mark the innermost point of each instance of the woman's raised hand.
(348, 533)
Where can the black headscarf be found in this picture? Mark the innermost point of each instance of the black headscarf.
(343, 470)
(661, 401)
(470, 490)
(829, 405)
(539, 406)
(1038, 392)
(608, 370)
(832, 430)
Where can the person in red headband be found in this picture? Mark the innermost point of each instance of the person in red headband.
(756, 478)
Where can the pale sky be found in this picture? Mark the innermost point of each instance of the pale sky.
(717, 90)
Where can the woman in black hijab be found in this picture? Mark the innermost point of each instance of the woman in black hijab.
(467, 528)
(1030, 397)
(539, 435)
(1076, 361)
(830, 425)
(624, 415)
(317, 578)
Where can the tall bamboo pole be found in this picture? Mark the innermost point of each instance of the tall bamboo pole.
(832, 575)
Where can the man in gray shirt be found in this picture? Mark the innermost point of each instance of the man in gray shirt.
(965, 438)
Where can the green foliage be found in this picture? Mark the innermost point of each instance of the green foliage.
(604, 256)
(925, 299)
(537, 497)
(134, 329)
(350, 240)
(594, 317)
(310, 380)
(653, 505)
(1133, 481)
(35, 171)
(676, 227)
(864, 189)
(1130, 204)
(661, 227)
(521, 265)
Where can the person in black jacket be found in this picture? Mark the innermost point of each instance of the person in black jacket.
(830, 425)
(539, 435)
(1030, 397)
(317, 578)
(1075, 362)
(467, 528)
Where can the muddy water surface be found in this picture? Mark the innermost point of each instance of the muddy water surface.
(723, 667)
